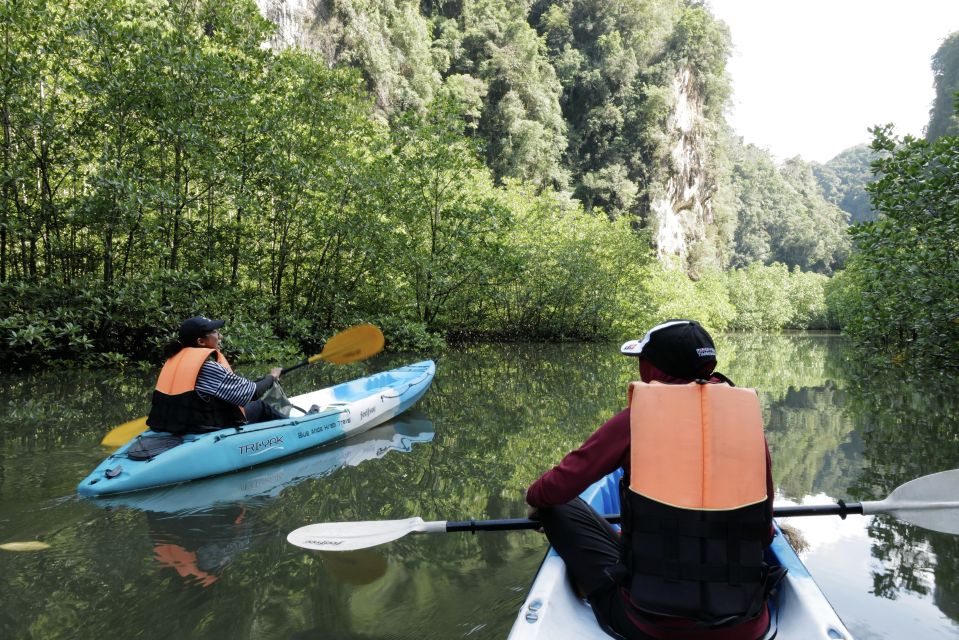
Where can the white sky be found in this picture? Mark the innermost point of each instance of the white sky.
(811, 76)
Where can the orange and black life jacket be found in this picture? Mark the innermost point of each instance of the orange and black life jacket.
(178, 408)
(694, 514)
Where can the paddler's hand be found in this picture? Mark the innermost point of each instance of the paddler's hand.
(532, 512)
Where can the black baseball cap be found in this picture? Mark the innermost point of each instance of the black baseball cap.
(681, 348)
(197, 327)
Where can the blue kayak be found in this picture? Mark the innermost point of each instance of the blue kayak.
(345, 410)
(263, 483)
(553, 611)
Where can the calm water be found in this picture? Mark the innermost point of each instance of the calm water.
(209, 559)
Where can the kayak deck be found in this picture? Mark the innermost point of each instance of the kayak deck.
(553, 611)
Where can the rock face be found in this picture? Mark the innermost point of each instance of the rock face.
(680, 214)
(290, 16)
(680, 199)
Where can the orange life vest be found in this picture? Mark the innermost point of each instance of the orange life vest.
(697, 446)
(178, 408)
(180, 371)
(694, 514)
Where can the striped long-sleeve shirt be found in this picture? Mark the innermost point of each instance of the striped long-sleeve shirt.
(214, 380)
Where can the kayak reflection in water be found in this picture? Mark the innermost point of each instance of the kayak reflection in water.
(697, 508)
(200, 546)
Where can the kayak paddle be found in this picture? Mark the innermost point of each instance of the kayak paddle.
(350, 345)
(931, 502)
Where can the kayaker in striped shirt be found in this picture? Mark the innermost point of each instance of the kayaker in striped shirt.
(216, 381)
(198, 391)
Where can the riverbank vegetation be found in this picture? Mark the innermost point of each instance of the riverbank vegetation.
(160, 161)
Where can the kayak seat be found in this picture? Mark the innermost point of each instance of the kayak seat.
(149, 447)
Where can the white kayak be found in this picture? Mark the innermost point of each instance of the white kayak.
(552, 611)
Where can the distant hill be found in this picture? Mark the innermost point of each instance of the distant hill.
(844, 178)
(945, 68)
(843, 181)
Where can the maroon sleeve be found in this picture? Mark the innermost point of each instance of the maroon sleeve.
(602, 453)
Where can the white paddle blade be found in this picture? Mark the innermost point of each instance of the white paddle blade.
(350, 536)
(931, 502)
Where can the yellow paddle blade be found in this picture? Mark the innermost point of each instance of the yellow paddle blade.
(120, 435)
(33, 545)
(356, 567)
(353, 344)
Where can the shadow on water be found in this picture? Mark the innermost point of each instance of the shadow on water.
(209, 559)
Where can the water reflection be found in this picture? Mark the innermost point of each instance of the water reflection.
(199, 528)
(200, 546)
(845, 432)
(502, 415)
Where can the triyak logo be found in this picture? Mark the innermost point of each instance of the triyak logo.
(322, 543)
(255, 447)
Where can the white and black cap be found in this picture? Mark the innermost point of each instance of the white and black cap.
(681, 348)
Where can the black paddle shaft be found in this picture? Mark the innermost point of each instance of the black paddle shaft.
(294, 367)
(509, 524)
(840, 509)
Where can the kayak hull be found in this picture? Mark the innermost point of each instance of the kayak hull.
(552, 609)
(345, 410)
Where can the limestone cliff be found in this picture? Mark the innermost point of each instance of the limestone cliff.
(389, 41)
(292, 17)
(681, 208)
(392, 42)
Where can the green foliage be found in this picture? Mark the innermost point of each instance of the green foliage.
(409, 337)
(761, 295)
(160, 162)
(664, 291)
(523, 125)
(782, 216)
(569, 274)
(246, 340)
(704, 43)
(87, 323)
(770, 298)
(450, 224)
(807, 296)
(906, 269)
(389, 42)
(618, 64)
(841, 293)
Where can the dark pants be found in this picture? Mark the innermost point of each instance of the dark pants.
(259, 411)
(590, 548)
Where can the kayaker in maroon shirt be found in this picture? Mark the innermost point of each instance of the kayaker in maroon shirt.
(675, 352)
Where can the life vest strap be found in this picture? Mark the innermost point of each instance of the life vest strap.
(675, 571)
(746, 531)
